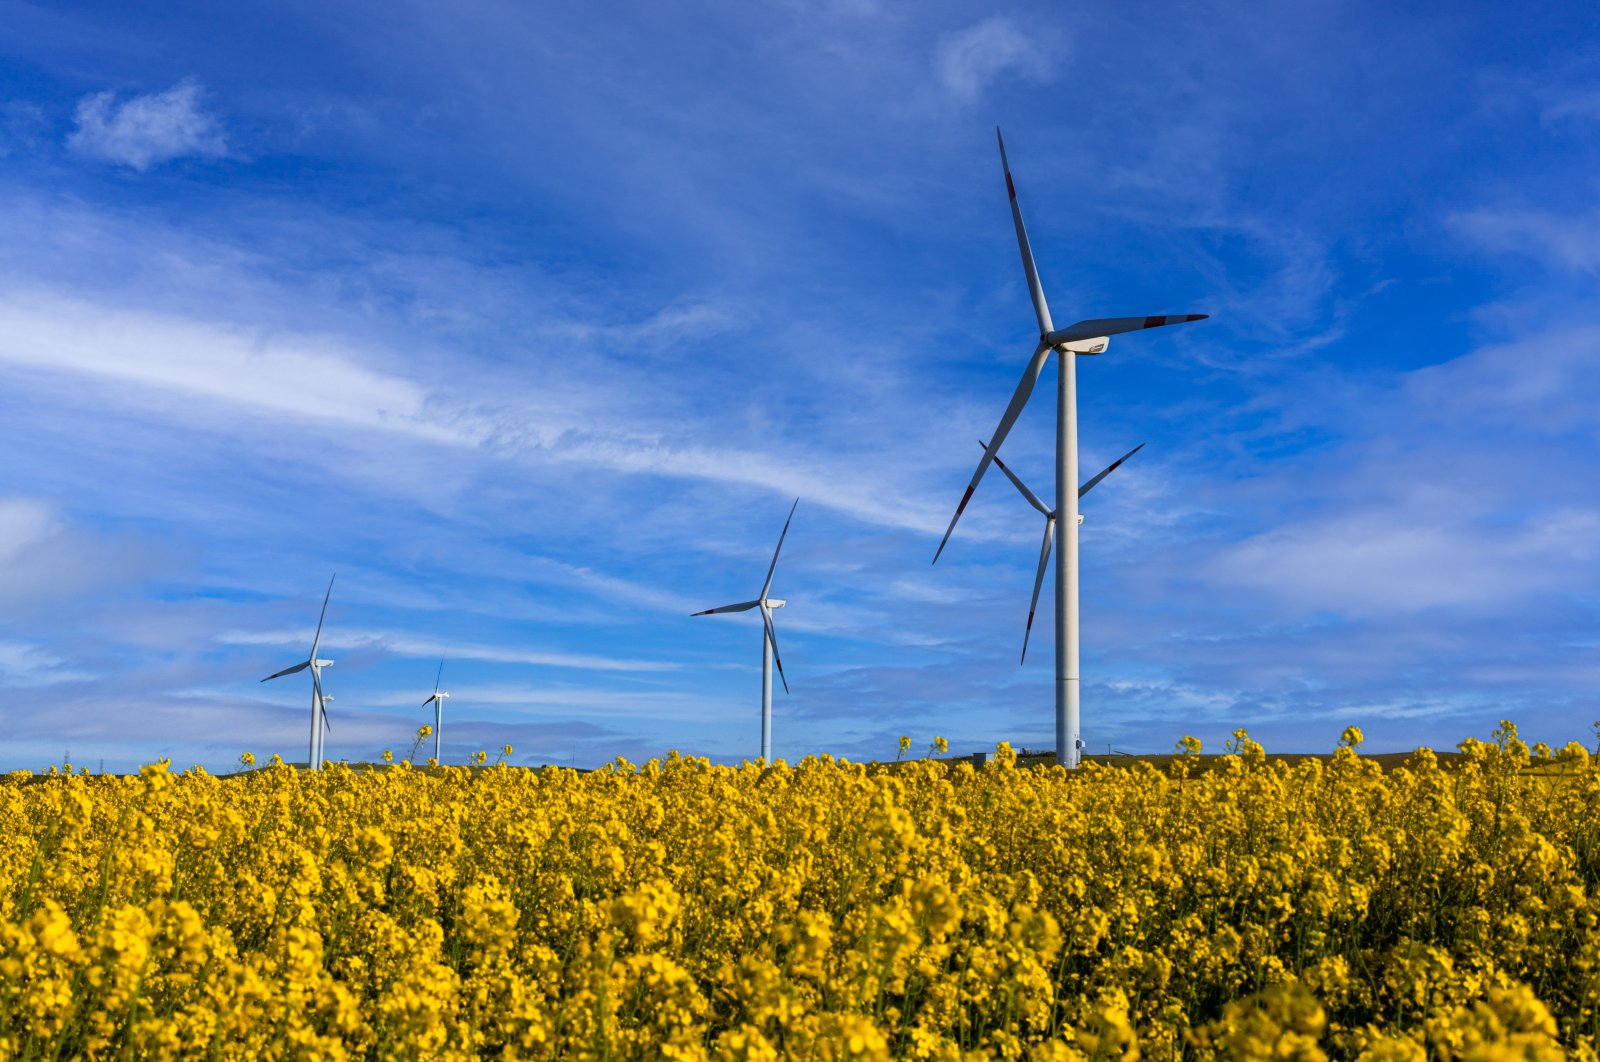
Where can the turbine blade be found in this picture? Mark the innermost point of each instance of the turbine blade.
(288, 671)
(317, 640)
(1035, 292)
(743, 606)
(1111, 326)
(774, 565)
(437, 678)
(322, 702)
(430, 700)
(1112, 467)
(772, 636)
(1033, 499)
(1019, 399)
(1038, 581)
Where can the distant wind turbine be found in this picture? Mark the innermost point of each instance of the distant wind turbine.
(319, 712)
(769, 639)
(437, 700)
(1050, 526)
(1085, 337)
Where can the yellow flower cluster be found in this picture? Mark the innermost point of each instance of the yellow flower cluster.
(1238, 907)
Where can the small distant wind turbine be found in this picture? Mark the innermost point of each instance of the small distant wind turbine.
(319, 712)
(1085, 337)
(1050, 526)
(437, 700)
(769, 640)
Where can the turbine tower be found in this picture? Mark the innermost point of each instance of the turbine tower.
(437, 700)
(1049, 526)
(769, 640)
(1085, 337)
(319, 712)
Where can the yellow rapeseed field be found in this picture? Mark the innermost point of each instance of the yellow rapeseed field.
(822, 910)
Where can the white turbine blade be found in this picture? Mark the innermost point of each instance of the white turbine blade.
(322, 702)
(1033, 499)
(743, 606)
(1038, 581)
(288, 670)
(1111, 326)
(430, 700)
(1019, 399)
(437, 678)
(317, 640)
(774, 565)
(772, 636)
(1112, 467)
(1035, 292)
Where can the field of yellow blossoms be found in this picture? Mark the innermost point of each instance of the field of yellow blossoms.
(828, 910)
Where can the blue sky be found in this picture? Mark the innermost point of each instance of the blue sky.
(531, 324)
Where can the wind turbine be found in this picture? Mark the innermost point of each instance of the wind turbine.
(318, 710)
(1050, 526)
(437, 700)
(769, 640)
(1085, 337)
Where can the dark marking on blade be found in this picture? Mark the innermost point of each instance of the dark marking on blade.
(1154, 322)
(1195, 317)
(1011, 189)
(964, 499)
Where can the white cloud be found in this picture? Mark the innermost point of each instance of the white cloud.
(1389, 562)
(327, 378)
(23, 664)
(428, 649)
(46, 559)
(1565, 241)
(1578, 107)
(147, 130)
(24, 522)
(302, 375)
(972, 58)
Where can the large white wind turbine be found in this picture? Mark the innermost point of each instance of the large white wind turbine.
(1085, 337)
(319, 712)
(769, 640)
(437, 700)
(1050, 526)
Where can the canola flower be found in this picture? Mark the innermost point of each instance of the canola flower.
(823, 910)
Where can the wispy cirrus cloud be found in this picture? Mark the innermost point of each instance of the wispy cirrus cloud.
(1565, 241)
(968, 61)
(145, 131)
(404, 645)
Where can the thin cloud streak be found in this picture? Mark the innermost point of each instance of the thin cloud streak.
(402, 645)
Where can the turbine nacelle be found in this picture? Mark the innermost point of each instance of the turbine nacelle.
(322, 663)
(1097, 345)
(775, 602)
